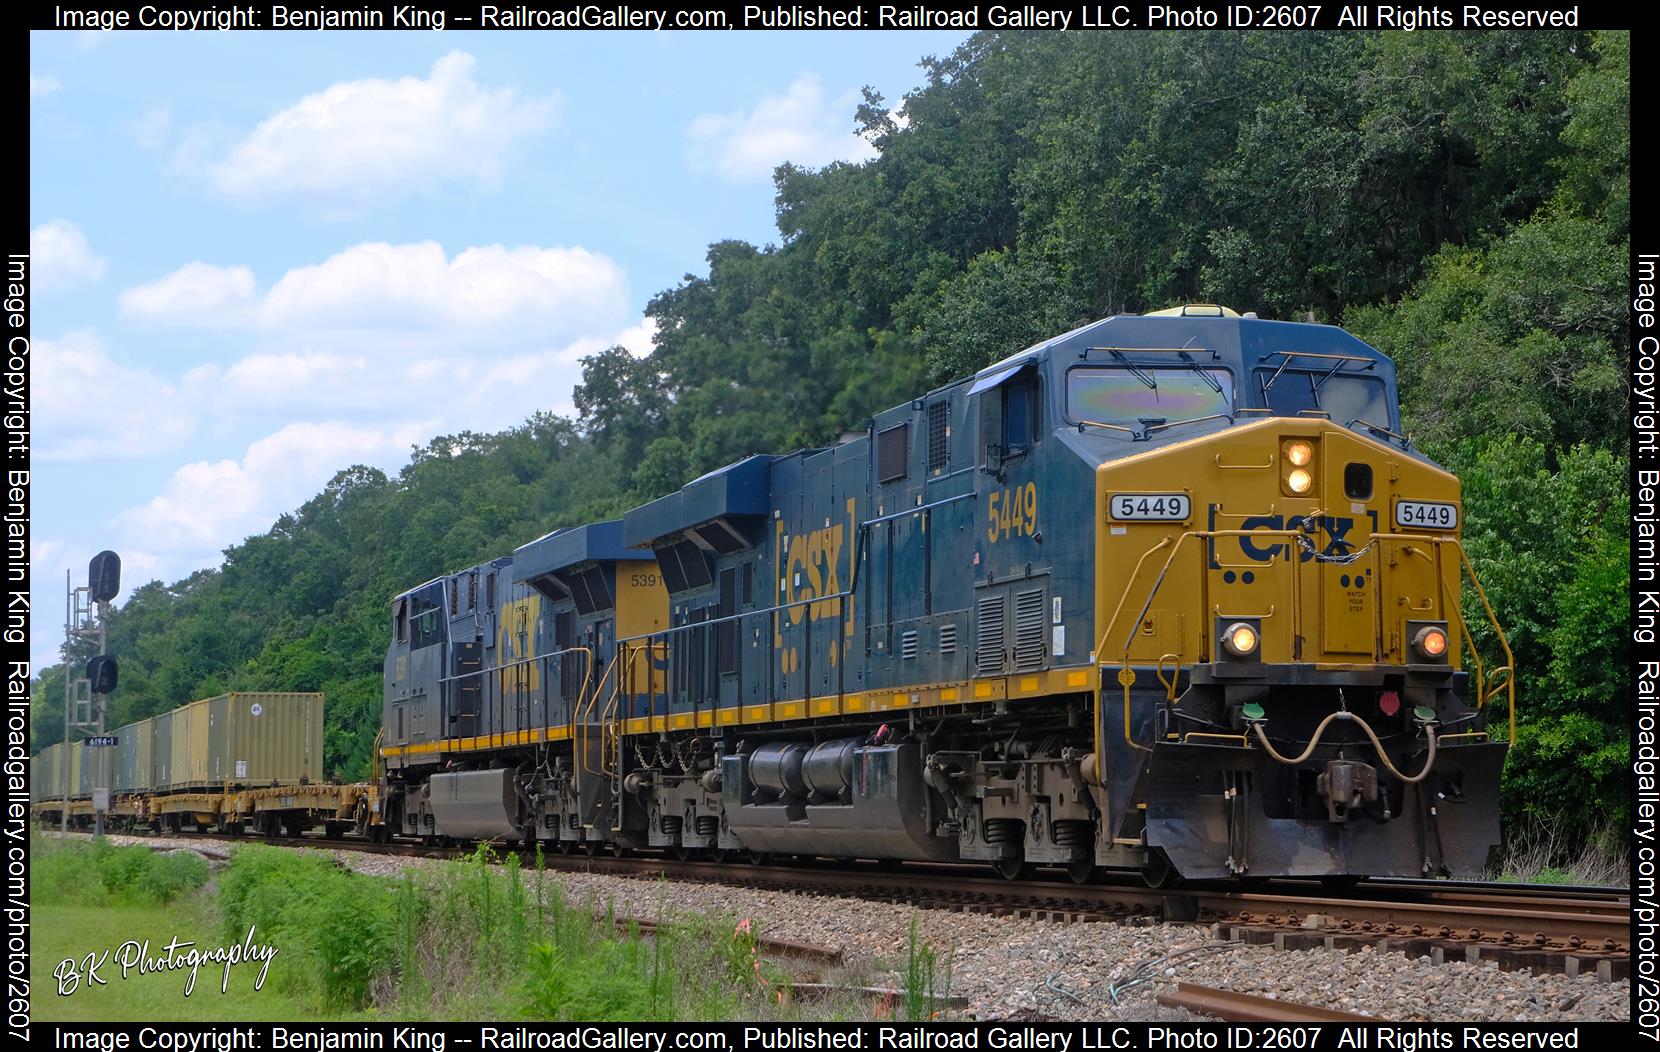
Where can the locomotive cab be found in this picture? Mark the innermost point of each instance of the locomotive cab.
(1281, 631)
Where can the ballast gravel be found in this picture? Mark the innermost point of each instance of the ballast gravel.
(1008, 968)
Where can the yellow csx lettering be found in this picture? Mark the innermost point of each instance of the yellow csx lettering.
(516, 631)
(812, 572)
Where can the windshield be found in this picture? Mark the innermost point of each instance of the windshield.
(1345, 398)
(1147, 394)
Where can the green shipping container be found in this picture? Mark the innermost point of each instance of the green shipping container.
(161, 751)
(76, 755)
(45, 777)
(264, 738)
(189, 745)
(133, 757)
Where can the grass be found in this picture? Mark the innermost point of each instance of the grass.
(1544, 854)
(478, 939)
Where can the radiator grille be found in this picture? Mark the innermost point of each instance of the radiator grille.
(948, 638)
(1028, 630)
(988, 643)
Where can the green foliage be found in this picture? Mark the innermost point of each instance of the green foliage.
(614, 981)
(98, 873)
(1460, 200)
(339, 925)
(1552, 544)
(927, 979)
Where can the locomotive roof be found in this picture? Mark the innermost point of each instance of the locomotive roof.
(1239, 341)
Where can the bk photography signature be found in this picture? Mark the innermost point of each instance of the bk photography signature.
(135, 958)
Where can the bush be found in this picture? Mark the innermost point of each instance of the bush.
(340, 926)
(99, 873)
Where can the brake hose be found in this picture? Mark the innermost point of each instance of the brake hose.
(1314, 741)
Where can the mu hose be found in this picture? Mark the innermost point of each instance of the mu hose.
(1314, 741)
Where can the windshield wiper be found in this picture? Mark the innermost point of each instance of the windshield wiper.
(1204, 374)
(1136, 371)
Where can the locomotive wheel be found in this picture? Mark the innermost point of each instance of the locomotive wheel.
(619, 849)
(1082, 871)
(1014, 868)
(592, 847)
(681, 853)
(720, 854)
(760, 858)
(1157, 872)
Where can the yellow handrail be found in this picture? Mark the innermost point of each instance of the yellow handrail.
(1169, 684)
(1483, 693)
(1492, 618)
(582, 727)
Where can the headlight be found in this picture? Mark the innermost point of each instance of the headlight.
(1240, 639)
(1299, 453)
(1299, 481)
(1431, 642)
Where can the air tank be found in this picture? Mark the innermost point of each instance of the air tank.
(776, 768)
(828, 767)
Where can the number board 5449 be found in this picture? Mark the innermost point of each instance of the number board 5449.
(1150, 507)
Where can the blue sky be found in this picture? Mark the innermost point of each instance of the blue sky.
(259, 258)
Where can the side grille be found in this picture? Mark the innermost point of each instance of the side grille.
(989, 636)
(939, 426)
(907, 646)
(1028, 630)
(948, 638)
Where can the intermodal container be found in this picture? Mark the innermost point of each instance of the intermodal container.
(133, 757)
(75, 755)
(189, 746)
(161, 751)
(46, 777)
(263, 738)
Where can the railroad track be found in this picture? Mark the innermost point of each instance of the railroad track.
(1248, 1008)
(1518, 927)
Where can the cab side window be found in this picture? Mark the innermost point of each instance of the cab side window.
(1021, 414)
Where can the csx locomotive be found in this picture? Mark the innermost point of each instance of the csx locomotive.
(1167, 592)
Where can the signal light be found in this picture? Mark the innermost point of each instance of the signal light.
(1299, 453)
(1299, 481)
(1240, 639)
(1431, 642)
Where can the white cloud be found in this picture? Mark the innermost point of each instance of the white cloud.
(61, 256)
(415, 285)
(557, 292)
(802, 126)
(638, 338)
(195, 294)
(211, 504)
(310, 378)
(364, 141)
(43, 85)
(87, 405)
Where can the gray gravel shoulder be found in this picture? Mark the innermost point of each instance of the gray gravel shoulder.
(1006, 967)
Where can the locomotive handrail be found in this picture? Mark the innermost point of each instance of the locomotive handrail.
(1169, 684)
(1483, 693)
(1510, 659)
(1188, 420)
(582, 728)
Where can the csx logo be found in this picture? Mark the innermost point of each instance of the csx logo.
(1335, 528)
(811, 571)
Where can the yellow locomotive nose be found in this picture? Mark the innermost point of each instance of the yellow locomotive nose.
(1300, 527)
